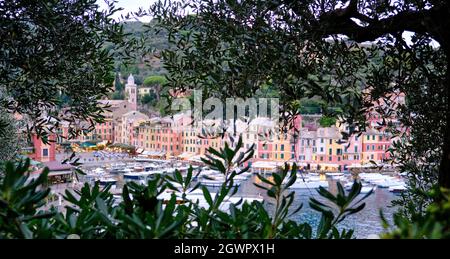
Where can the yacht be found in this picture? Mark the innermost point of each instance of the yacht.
(107, 181)
(308, 184)
(397, 188)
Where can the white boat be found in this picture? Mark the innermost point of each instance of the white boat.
(106, 181)
(216, 183)
(387, 184)
(397, 189)
(98, 170)
(143, 159)
(197, 197)
(348, 186)
(367, 189)
(300, 184)
(135, 176)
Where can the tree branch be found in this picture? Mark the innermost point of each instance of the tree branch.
(433, 22)
(340, 22)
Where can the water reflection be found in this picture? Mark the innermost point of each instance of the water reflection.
(364, 223)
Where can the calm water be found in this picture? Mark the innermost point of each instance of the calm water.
(364, 223)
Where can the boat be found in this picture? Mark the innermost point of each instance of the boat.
(107, 181)
(138, 168)
(397, 189)
(334, 174)
(387, 184)
(135, 176)
(367, 189)
(98, 170)
(300, 184)
(143, 159)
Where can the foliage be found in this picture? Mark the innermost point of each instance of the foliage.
(118, 96)
(149, 99)
(20, 199)
(149, 62)
(93, 212)
(155, 80)
(326, 121)
(54, 48)
(316, 49)
(9, 138)
(311, 106)
(433, 224)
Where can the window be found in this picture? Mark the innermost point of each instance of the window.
(368, 147)
(321, 140)
(373, 137)
(331, 141)
(373, 147)
(282, 156)
(368, 137)
(321, 158)
(292, 156)
(330, 151)
(282, 147)
(321, 149)
(380, 138)
(356, 149)
(329, 158)
(45, 152)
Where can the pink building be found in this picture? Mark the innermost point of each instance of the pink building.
(43, 152)
(374, 146)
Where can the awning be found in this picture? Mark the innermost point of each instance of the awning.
(329, 165)
(54, 173)
(196, 158)
(153, 153)
(265, 164)
(354, 166)
(186, 155)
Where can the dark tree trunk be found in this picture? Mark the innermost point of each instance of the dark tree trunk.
(444, 168)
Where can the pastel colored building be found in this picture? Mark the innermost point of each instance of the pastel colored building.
(329, 153)
(374, 146)
(43, 152)
(306, 147)
(144, 90)
(127, 130)
(159, 135)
